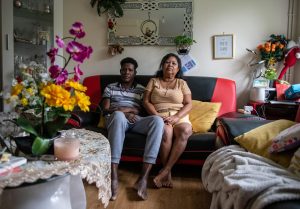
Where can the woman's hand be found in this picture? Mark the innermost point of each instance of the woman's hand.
(171, 120)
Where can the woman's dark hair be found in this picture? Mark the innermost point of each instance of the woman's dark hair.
(129, 60)
(159, 73)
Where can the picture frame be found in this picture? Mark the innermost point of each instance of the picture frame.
(223, 46)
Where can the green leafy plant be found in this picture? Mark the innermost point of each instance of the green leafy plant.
(270, 74)
(184, 40)
(183, 44)
(112, 6)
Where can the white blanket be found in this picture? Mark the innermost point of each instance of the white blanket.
(239, 179)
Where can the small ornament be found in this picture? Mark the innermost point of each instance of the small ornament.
(110, 24)
(47, 9)
(18, 3)
(114, 49)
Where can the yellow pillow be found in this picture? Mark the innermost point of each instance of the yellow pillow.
(101, 123)
(203, 115)
(259, 140)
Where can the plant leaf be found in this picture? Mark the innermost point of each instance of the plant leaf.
(93, 2)
(26, 125)
(118, 10)
(40, 146)
(52, 127)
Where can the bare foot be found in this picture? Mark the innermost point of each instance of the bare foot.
(141, 187)
(114, 189)
(163, 179)
(167, 182)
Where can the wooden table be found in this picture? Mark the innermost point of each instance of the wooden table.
(93, 165)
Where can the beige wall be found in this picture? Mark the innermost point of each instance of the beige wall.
(250, 21)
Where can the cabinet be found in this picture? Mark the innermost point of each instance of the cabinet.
(33, 35)
(27, 33)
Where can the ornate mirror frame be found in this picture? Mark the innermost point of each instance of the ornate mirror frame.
(149, 33)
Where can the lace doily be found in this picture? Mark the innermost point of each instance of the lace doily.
(93, 165)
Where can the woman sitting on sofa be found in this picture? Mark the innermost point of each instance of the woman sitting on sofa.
(169, 96)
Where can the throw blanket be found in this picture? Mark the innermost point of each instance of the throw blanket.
(239, 179)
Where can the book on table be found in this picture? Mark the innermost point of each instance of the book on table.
(13, 164)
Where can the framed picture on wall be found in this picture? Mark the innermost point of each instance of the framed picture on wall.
(223, 46)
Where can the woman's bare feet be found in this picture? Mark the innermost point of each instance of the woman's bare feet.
(141, 187)
(114, 189)
(163, 179)
(168, 182)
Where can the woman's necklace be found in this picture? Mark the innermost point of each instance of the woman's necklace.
(167, 86)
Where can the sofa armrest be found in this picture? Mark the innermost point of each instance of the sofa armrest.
(82, 119)
(231, 125)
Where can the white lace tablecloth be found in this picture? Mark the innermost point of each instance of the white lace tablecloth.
(93, 165)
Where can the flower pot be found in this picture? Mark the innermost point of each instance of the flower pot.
(24, 144)
(183, 50)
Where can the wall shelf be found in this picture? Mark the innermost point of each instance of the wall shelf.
(33, 14)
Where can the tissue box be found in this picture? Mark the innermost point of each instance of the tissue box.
(293, 92)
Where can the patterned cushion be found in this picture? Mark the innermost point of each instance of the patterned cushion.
(286, 140)
(259, 140)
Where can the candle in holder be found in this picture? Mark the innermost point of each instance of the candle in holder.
(66, 148)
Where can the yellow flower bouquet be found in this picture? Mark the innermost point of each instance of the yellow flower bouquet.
(45, 100)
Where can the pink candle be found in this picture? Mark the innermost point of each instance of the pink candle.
(66, 148)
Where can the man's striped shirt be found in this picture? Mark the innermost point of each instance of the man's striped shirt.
(120, 97)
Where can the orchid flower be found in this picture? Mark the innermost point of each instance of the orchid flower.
(77, 30)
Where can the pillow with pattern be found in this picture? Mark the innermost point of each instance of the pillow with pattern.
(286, 140)
(259, 140)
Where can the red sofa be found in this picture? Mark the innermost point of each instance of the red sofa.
(200, 145)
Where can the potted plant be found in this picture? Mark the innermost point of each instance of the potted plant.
(183, 44)
(271, 75)
(112, 6)
(44, 101)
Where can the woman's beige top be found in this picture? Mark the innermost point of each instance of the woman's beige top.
(166, 98)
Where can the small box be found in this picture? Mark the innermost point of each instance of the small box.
(293, 92)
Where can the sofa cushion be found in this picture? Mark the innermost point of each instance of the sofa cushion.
(287, 139)
(259, 140)
(203, 115)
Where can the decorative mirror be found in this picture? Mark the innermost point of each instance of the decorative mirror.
(153, 22)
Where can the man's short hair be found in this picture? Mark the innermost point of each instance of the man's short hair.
(129, 60)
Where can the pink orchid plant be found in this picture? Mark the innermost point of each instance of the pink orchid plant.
(49, 98)
(77, 51)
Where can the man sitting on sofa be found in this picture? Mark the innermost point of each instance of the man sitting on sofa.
(122, 103)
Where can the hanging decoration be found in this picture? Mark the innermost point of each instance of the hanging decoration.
(115, 49)
(148, 27)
